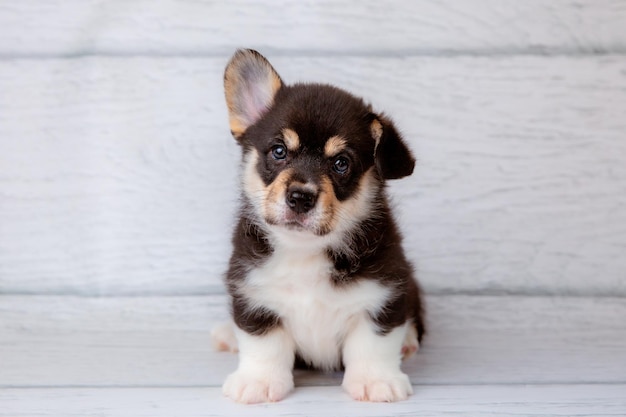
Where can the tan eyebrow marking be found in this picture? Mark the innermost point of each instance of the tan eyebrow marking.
(334, 145)
(292, 140)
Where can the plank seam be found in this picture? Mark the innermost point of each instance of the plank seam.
(190, 386)
(405, 53)
(222, 292)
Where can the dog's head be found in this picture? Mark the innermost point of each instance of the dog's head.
(315, 157)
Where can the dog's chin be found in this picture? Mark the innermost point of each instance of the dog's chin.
(297, 226)
(299, 223)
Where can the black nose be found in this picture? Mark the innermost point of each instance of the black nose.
(300, 200)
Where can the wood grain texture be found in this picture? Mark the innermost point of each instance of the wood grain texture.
(62, 27)
(475, 401)
(164, 342)
(118, 176)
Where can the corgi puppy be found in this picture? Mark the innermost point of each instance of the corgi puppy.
(317, 276)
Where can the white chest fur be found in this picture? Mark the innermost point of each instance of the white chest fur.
(295, 283)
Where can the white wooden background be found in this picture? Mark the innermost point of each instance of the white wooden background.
(117, 171)
(118, 186)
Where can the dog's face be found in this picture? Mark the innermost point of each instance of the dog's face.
(315, 157)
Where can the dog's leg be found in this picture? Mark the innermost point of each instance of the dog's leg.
(372, 364)
(265, 372)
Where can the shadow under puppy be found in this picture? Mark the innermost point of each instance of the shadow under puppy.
(318, 274)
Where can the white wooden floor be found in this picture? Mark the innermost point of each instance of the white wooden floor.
(135, 356)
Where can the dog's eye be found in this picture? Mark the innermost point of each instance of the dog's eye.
(341, 165)
(279, 152)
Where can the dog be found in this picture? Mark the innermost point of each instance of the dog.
(317, 276)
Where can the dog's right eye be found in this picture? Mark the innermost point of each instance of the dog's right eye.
(279, 152)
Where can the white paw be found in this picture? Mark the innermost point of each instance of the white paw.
(251, 388)
(223, 337)
(377, 387)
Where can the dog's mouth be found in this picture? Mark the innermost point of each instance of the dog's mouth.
(298, 222)
(295, 226)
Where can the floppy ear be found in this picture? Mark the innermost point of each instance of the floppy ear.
(250, 84)
(393, 158)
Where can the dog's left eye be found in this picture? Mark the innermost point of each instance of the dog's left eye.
(341, 165)
(279, 152)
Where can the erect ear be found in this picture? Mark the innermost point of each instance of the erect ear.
(250, 84)
(393, 158)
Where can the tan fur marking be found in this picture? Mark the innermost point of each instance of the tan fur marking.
(343, 214)
(275, 193)
(292, 140)
(236, 126)
(334, 146)
(377, 132)
(236, 122)
(276, 82)
(359, 206)
(327, 202)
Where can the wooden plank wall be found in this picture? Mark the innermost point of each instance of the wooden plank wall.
(117, 171)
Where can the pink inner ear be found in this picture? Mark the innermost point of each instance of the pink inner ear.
(256, 101)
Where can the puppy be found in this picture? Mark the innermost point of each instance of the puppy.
(317, 275)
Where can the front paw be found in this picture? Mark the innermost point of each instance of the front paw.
(385, 386)
(252, 388)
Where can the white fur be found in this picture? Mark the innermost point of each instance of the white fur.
(265, 368)
(295, 284)
(373, 364)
